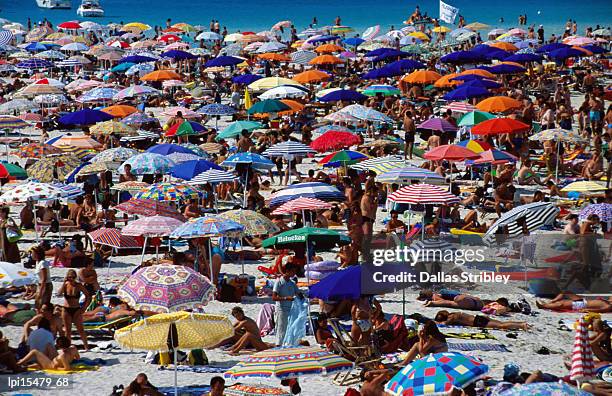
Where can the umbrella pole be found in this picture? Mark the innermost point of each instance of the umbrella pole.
(110, 259)
(175, 368)
(157, 253)
(557, 165)
(35, 223)
(246, 181)
(210, 266)
(308, 283)
(144, 246)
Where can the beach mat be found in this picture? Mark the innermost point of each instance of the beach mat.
(476, 346)
(185, 390)
(470, 336)
(76, 368)
(195, 369)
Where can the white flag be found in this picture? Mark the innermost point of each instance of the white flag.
(448, 13)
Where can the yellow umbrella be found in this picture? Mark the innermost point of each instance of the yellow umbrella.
(441, 29)
(185, 27)
(110, 127)
(95, 168)
(477, 26)
(53, 168)
(271, 82)
(175, 330)
(420, 35)
(584, 187)
(79, 141)
(137, 25)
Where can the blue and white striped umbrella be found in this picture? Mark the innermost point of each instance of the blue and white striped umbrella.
(207, 226)
(35, 63)
(303, 57)
(98, 94)
(322, 191)
(142, 135)
(149, 163)
(271, 46)
(365, 113)
(217, 109)
(535, 215)
(289, 150)
(256, 161)
(213, 176)
(69, 190)
(5, 36)
(407, 174)
(69, 63)
(141, 69)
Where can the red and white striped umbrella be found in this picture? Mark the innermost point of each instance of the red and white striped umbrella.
(299, 204)
(112, 237)
(459, 107)
(154, 226)
(423, 194)
(583, 365)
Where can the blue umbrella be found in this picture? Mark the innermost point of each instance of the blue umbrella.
(178, 55)
(551, 47)
(121, 67)
(323, 39)
(347, 95)
(497, 53)
(377, 52)
(256, 161)
(36, 46)
(467, 91)
(322, 191)
(504, 68)
(190, 169)
(562, 54)
(85, 117)
(223, 61)
(393, 53)
(217, 109)
(98, 94)
(245, 79)
(383, 72)
(463, 57)
(405, 65)
(468, 77)
(354, 41)
(524, 57)
(482, 83)
(341, 285)
(168, 148)
(34, 63)
(136, 59)
(205, 227)
(596, 49)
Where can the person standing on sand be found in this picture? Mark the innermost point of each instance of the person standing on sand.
(284, 292)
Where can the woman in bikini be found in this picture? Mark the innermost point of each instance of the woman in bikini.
(67, 354)
(451, 300)
(572, 302)
(71, 290)
(431, 340)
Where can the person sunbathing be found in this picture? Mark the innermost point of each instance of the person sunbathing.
(250, 333)
(141, 386)
(63, 361)
(481, 321)
(451, 300)
(568, 301)
(431, 340)
(116, 309)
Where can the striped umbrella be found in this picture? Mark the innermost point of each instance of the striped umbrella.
(289, 362)
(112, 237)
(35, 63)
(436, 374)
(169, 192)
(303, 57)
(135, 91)
(583, 365)
(148, 163)
(207, 226)
(342, 158)
(301, 204)
(586, 186)
(534, 215)
(154, 226)
(380, 165)
(253, 222)
(5, 36)
(213, 176)
(370, 32)
(10, 122)
(406, 175)
(423, 194)
(149, 207)
(288, 149)
(476, 145)
(321, 191)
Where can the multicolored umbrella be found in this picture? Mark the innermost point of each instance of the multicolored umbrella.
(301, 204)
(235, 128)
(36, 150)
(50, 169)
(254, 390)
(148, 163)
(149, 207)
(130, 186)
(289, 362)
(602, 210)
(423, 194)
(12, 171)
(436, 374)
(322, 191)
(169, 192)
(206, 227)
(112, 237)
(342, 158)
(474, 118)
(31, 191)
(13, 276)
(11, 122)
(495, 157)
(380, 165)
(534, 215)
(117, 155)
(113, 128)
(558, 135)
(476, 145)
(253, 222)
(135, 91)
(586, 186)
(543, 389)
(154, 226)
(335, 140)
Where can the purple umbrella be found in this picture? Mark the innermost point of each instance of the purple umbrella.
(437, 124)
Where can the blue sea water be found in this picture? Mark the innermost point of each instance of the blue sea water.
(261, 14)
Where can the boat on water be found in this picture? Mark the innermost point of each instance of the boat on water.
(90, 8)
(54, 4)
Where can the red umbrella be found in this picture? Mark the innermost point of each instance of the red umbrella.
(299, 204)
(335, 140)
(423, 194)
(497, 126)
(450, 152)
(495, 157)
(149, 207)
(169, 38)
(69, 25)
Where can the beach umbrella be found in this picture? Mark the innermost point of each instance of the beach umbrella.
(339, 116)
(346, 95)
(478, 72)
(217, 109)
(50, 169)
(423, 194)
(353, 41)
(101, 94)
(13, 276)
(381, 89)
(135, 91)
(223, 61)
(380, 165)
(31, 191)
(267, 106)
(460, 57)
(406, 175)
(496, 126)
(558, 135)
(169, 192)
(11, 122)
(366, 113)
(154, 226)
(543, 389)
(179, 158)
(436, 374)
(474, 117)
(534, 215)
(602, 210)
(189, 169)
(148, 163)
(495, 157)
(274, 57)
(284, 91)
(254, 390)
(303, 57)
(342, 158)
(254, 223)
(178, 55)
(288, 150)
(595, 49)
(325, 60)
(207, 226)
(213, 176)
(85, 117)
(136, 59)
(421, 77)
(78, 141)
(450, 152)
(272, 46)
(149, 207)
(117, 155)
(342, 284)
(405, 65)
(583, 365)
(255, 161)
(120, 110)
(245, 79)
(112, 128)
(383, 72)
(524, 58)
(17, 106)
(584, 187)
(564, 53)
(161, 75)
(139, 119)
(185, 128)
(8, 170)
(328, 48)
(335, 140)
(36, 150)
(466, 91)
(320, 238)
(447, 81)
(34, 63)
(322, 191)
(370, 32)
(498, 104)
(480, 83)
(270, 82)
(209, 36)
(168, 148)
(289, 362)
(300, 205)
(437, 124)
(507, 68)
(235, 129)
(477, 26)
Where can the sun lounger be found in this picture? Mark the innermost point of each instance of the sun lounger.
(109, 326)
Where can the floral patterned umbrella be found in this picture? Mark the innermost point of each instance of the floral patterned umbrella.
(149, 207)
(148, 163)
(207, 226)
(118, 154)
(602, 210)
(254, 390)
(31, 191)
(13, 276)
(49, 169)
(253, 222)
(154, 226)
(169, 192)
(166, 288)
(36, 150)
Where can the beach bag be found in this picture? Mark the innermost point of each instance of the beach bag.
(13, 234)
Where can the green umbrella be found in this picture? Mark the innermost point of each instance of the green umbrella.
(235, 128)
(14, 170)
(474, 118)
(268, 106)
(185, 129)
(320, 238)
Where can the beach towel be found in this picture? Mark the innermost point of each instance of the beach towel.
(78, 366)
(296, 327)
(185, 390)
(195, 369)
(470, 336)
(476, 346)
(265, 319)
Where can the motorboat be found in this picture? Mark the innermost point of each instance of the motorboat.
(54, 4)
(90, 8)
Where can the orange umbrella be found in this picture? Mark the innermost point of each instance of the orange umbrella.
(120, 110)
(325, 60)
(478, 72)
(172, 30)
(445, 81)
(161, 75)
(328, 48)
(498, 104)
(504, 46)
(310, 76)
(512, 64)
(295, 107)
(274, 57)
(422, 77)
